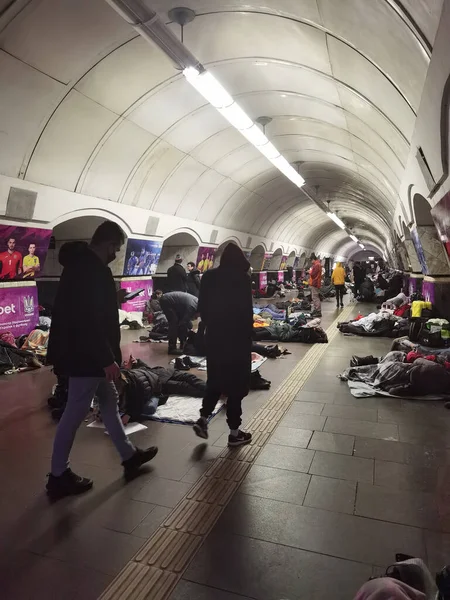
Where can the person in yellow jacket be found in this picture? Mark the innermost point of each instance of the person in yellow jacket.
(338, 279)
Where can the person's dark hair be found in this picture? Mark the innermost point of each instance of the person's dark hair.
(11, 237)
(191, 264)
(156, 294)
(108, 231)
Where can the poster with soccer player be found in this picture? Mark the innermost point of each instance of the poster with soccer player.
(205, 258)
(142, 257)
(22, 252)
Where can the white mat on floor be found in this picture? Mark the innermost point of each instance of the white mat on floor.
(257, 361)
(183, 410)
(129, 429)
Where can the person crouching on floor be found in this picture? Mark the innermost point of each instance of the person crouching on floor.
(225, 306)
(84, 346)
(180, 309)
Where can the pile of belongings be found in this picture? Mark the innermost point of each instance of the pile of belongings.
(269, 312)
(14, 360)
(384, 323)
(297, 331)
(130, 320)
(399, 374)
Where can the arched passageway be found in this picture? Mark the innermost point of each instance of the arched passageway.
(181, 243)
(291, 259)
(429, 248)
(257, 257)
(275, 261)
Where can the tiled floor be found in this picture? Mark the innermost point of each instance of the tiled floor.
(342, 485)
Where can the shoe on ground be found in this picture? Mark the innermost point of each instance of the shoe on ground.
(67, 484)
(175, 352)
(242, 438)
(139, 458)
(180, 365)
(187, 360)
(342, 306)
(201, 428)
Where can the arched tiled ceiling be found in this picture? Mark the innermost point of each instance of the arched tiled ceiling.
(94, 109)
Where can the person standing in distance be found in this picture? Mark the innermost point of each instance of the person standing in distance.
(193, 279)
(84, 345)
(227, 291)
(177, 276)
(315, 283)
(338, 279)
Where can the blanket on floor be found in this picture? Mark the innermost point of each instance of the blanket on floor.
(182, 410)
(393, 375)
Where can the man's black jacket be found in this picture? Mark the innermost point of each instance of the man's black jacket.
(85, 332)
(176, 278)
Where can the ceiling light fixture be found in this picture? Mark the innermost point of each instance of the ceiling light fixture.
(207, 85)
(354, 238)
(336, 219)
(362, 246)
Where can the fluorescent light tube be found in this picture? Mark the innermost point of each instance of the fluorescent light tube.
(362, 246)
(207, 85)
(354, 238)
(336, 219)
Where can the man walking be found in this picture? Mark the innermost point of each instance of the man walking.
(84, 346)
(180, 309)
(315, 283)
(227, 291)
(177, 276)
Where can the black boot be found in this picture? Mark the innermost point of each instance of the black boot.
(139, 458)
(67, 484)
(180, 365)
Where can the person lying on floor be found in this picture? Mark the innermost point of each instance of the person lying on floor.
(142, 388)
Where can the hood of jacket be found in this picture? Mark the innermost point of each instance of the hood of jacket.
(233, 258)
(72, 252)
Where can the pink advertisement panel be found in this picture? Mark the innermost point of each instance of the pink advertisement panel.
(280, 276)
(428, 291)
(131, 285)
(262, 281)
(19, 309)
(22, 251)
(205, 258)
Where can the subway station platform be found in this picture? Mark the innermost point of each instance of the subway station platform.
(330, 490)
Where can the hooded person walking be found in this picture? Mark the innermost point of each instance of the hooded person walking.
(226, 309)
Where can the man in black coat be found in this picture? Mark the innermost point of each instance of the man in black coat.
(180, 309)
(193, 279)
(177, 277)
(84, 346)
(226, 309)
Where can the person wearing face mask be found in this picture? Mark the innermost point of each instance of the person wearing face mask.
(84, 346)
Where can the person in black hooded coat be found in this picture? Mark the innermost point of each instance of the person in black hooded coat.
(226, 309)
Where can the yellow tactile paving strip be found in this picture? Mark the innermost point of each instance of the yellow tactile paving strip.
(158, 566)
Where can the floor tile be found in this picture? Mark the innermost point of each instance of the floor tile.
(163, 492)
(319, 397)
(262, 570)
(278, 484)
(340, 466)
(108, 550)
(187, 590)
(331, 494)
(313, 422)
(380, 449)
(418, 509)
(350, 412)
(287, 436)
(382, 431)
(305, 408)
(151, 523)
(424, 435)
(285, 457)
(345, 398)
(406, 477)
(332, 442)
(321, 531)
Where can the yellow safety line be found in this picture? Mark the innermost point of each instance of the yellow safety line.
(158, 566)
